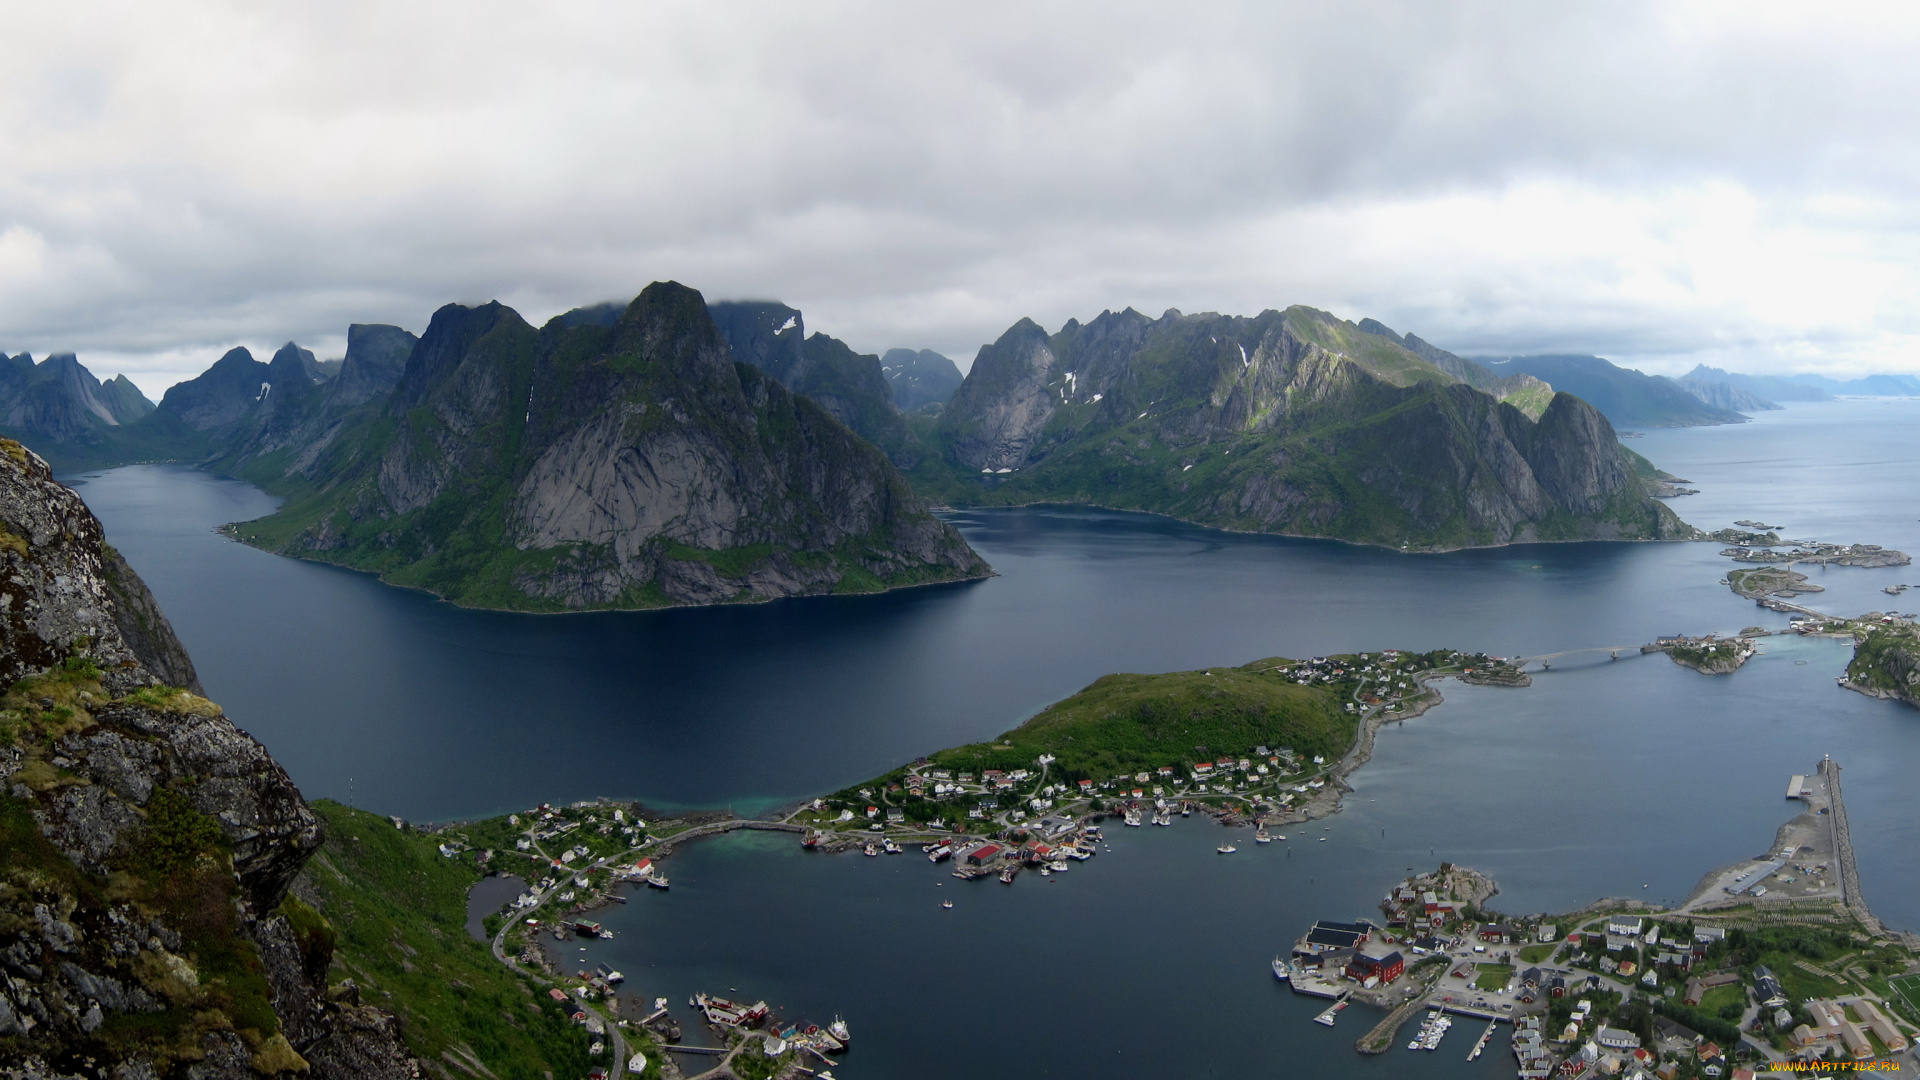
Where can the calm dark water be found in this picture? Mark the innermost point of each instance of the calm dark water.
(1603, 777)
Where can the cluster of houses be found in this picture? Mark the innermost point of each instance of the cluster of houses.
(988, 792)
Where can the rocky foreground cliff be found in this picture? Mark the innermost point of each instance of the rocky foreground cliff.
(146, 844)
(614, 458)
(1291, 422)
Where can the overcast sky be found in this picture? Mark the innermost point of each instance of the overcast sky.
(1659, 183)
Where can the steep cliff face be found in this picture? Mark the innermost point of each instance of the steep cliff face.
(58, 401)
(1293, 422)
(920, 378)
(610, 459)
(851, 386)
(146, 844)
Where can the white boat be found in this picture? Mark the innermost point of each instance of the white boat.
(948, 904)
(1226, 849)
(838, 1029)
(870, 851)
(1132, 818)
(1282, 970)
(1260, 837)
(657, 880)
(889, 846)
(1327, 1017)
(1279, 836)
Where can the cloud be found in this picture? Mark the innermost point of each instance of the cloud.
(1660, 182)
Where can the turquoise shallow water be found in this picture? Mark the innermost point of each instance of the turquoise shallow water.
(1603, 777)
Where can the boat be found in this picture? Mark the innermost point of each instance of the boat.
(1282, 970)
(1323, 839)
(1186, 809)
(1226, 849)
(870, 851)
(887, 845)
(838, 1029)
(1058, 866)
(1433, 1029)
(610, 975)
(948, 904)
(811, 840)
(1132, 818)
(1045, 872)
(1007, 875)
(657, 880)
(1279, 836)
(1260, 837)
(1327, 1017)
(1163, 818)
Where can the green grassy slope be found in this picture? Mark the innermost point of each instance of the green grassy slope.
(1125, 723)
(400, 911)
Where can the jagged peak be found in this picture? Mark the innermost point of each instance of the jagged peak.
(450, 335)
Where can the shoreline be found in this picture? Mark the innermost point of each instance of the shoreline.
(1701, 538)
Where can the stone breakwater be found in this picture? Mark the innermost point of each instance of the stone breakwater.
(1843, 849)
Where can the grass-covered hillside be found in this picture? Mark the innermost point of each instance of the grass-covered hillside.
(399, 911)
(1126, 723)
(1887, 662)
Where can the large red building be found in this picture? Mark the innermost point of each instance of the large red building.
(1385, 968)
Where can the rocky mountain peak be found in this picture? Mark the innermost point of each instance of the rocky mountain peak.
(376, 357)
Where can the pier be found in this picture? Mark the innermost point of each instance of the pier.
(1843, 850)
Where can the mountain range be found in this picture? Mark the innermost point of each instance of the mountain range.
(1627, 397)
(57, 401)
(1292, 422)
(668, 451)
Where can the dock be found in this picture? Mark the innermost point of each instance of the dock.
(1485, 1038)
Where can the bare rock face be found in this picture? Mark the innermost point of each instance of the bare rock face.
(146, 844)
(617, 458)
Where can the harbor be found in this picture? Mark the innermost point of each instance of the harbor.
(1611, 988)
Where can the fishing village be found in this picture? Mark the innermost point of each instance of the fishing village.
(1772, 967)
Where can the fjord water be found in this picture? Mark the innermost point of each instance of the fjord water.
(1603, 777)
